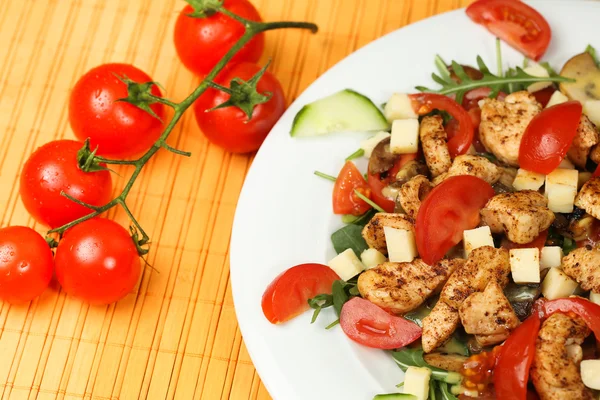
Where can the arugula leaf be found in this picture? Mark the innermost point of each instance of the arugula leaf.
(318, 303)
(349, 237)
(414, 358)
(325, 176)
(339, 296)
(445, 392)
(357, 154)
(590, 49)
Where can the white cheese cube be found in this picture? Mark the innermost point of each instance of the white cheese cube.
(591, 108)
(590, 373)
(574, 351)
(595, 297)
(525, 265)
(583, 178)
(416, 382)
(478, 237)
(405, 136)
(346, 265)
(528, 180)
(401, 244)
(369, 144)
(566, 164)
(557, 98)
(558, 285)
(535, 69)
(551, 257)
(399, 106)
(372, 258)
(561, 189)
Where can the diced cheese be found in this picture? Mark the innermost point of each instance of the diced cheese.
(535, 69)
(591, 108)
(401, 244)
(346, 265)
(416, 382)
(528, 180)
(595, 297)
(478, 237)
(525, 265)
(557, 98)
(558, 285)
(369, 144)
(405, 136)
(566, 164)
(561, 189)
(399, 106)
(590, 373)
(551, 257)
(372, 258)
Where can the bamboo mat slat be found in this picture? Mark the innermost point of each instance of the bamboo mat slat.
(176, 337)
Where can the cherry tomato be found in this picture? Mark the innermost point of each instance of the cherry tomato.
(424, 103)
(119, 129)
(369, 325)
(543, 96)
(538, 242)
(345, 200)
(516, 23)
(549, 136)
(287, 296)
(53, 169)
(25, 264)
(202, 42)
(452, 207)
(377, 183)
(97, 261)
(229, 127)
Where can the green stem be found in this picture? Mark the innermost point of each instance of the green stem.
(492, 82)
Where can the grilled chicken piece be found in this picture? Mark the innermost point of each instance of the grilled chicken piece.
(503, 124)
(555, 375)
(586, 138)
(507, 177)
(403, 287)
(478, 166)
(583, 265)
(595, 154)
(521, 215)
(373, 231)
(484, 264)
(448, 362)
(488, 315)
(435, 149)
(588, 197)
(411, 194)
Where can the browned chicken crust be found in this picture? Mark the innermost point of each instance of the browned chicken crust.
(373, 232)
(435, 149)
(478, 166)
(586, 138)
(583, 265)
(588, 197)
(411, 194)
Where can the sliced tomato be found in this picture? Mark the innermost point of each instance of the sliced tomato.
(585, 309)
(377, 183)
(451, 207)
(511, 373)
(287, 296)
(516, 23)
(538, 242)
(424, 103)
(345, 200)
(596, 172)
(369, 325)
(543, 96)
(549, 136)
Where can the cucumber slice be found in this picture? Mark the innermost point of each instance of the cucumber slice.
(346, 110)
(395, 396)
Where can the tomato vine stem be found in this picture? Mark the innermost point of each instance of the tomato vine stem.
(252, 28)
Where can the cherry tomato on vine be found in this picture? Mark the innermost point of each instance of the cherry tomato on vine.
(119, 129)
(53, 169)
(97, 261)
(202, 42)
(25, 264)
(229, 127)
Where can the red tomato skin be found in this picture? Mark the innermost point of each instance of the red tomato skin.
(516, 23)
(26, 264)
(345, 200)
(549, 136)
(118, 129)
(543, 96)
(371, 326)
(588, 311)
(304, 281)
(53, 168)
(97, 261)
(450, 208)
(202, 42)
(229, 127)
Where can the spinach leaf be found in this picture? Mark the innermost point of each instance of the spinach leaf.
(339, 296)
(417, 315)
(365, 218)
(568, 245)
(341, 292)
(445, 392)
(349, 237)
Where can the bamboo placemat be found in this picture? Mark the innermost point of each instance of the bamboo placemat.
(177, 336)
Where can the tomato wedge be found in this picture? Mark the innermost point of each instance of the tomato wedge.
(369, 325)
(588, 311)
(451, 207)
(345, 200)
(516, 23)
(377, 183)
(549, 136)
(514, 361)
(287, 296)
(424, 103)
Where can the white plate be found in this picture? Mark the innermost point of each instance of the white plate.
(284, 216)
